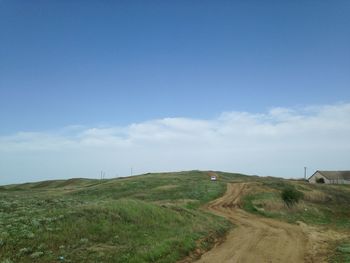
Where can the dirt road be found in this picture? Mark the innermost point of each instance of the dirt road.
(257, 239)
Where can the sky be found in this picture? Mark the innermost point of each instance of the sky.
(258, 87)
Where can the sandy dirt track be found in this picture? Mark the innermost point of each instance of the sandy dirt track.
(257, 239)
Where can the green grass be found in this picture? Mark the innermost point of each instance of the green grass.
(149, 218)
(342, 253)
(178, 186)
(250, 205)
(333, 211)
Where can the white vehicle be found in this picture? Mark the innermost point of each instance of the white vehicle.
(213, 178)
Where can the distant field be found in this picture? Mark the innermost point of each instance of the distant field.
(149, 218)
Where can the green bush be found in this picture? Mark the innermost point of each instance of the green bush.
(291, 196)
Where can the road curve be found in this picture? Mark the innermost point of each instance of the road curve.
(254, 239)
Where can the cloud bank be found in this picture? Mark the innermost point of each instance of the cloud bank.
(279, 142)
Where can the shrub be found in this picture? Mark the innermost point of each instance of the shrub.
(291, 196)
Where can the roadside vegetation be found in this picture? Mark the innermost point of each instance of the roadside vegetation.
(292, 201)
(342, 253)
(321, 205)
(148, 218)
(291, 196)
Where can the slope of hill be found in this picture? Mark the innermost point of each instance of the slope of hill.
(148, 218)
(164, 217)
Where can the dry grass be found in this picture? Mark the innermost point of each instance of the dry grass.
(272, 205)
(316, 196)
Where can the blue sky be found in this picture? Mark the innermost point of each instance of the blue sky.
(98, 64)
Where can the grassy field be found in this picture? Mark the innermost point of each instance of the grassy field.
(148, 218)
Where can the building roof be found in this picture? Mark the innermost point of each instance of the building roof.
(334, 175)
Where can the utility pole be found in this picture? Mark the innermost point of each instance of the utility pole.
(305, 168)
(131, 171)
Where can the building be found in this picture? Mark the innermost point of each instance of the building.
(330, 177)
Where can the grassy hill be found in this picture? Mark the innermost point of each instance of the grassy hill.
(147, 218)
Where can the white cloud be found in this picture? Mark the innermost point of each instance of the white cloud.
(278, 143)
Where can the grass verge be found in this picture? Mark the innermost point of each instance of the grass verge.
(320, 205)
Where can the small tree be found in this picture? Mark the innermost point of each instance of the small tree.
(291, 196)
